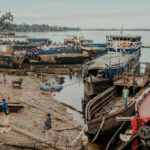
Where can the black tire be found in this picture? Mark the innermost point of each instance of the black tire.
(144, 132)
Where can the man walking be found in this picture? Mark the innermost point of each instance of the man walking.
(4, 78)
(125, 96)
(47, 125)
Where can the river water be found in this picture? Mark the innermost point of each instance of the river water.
(73, 92)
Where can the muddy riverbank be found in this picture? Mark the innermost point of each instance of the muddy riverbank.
(64, 128)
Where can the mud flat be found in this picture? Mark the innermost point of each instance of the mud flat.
(30, 120)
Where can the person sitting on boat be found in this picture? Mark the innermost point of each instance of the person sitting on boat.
(125, 96)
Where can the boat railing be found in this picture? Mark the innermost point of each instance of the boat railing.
(95, 104)
(127, 79)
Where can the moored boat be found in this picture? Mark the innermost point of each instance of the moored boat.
(122, 50)
(139, 137)
(103, 109)
(94, 49)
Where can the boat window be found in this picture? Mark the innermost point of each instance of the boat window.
(134, 40)
(110, 39)
(112, 50)
(118, 50)
(127, 51)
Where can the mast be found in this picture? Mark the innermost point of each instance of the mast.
(121, 31)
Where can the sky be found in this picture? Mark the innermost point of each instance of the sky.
(80, 13)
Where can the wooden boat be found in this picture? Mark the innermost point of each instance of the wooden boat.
(101, 111)
(140, 128)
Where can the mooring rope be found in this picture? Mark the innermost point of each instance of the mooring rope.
(109, 143)
(71, 83)
(82, 132)
(103, 121)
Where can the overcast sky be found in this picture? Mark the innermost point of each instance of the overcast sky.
(80, 13)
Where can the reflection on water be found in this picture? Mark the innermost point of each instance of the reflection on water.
(72, 94)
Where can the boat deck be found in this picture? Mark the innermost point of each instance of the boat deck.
(121, 80)
(115, 105)
(110, 58)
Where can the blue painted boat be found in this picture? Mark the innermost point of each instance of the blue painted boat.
(53, 51)
(39, 41)
(50, 86)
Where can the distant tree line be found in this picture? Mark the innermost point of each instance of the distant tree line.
(38, 28)
(7, 25)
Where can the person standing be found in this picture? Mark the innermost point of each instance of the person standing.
(125, 93)
(4, 78)
(47, 125)
(4, 108)
(134, 86)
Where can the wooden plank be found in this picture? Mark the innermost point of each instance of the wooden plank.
(13, 107)
(57, 115)
(33, 136)
(123, 118)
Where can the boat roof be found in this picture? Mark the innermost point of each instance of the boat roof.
(38, 39)
(93, 48)
(124, 36)
(95, 44)
(110, 58)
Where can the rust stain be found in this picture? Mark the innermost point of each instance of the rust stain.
(5, 50)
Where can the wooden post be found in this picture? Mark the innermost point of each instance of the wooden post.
(123, 118)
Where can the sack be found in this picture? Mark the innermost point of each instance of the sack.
(7, 111)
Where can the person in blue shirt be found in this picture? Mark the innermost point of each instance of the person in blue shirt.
(4, 108)
(125, 93)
